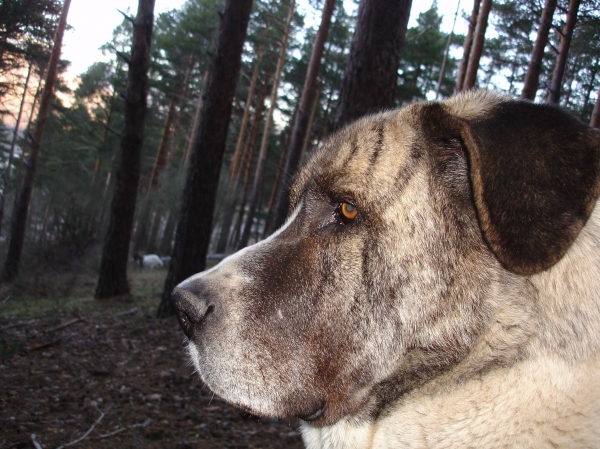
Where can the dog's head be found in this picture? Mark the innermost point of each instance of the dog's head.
(402, 226)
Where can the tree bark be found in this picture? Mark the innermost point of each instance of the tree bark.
(247, 162)
(563, 52)
(467, 45)
(595, 121)
(6, 175)
(478, 43)
(243, 169)
(21, 206)
(166, 242)
(180, 104)
(446, 53)
(162, 155)
(264, 146)
(237, 154)
(530, 86)
(195, 221)
(371, 72)
(588, 91)
(113, 266)
(193, 131)
(294, 150)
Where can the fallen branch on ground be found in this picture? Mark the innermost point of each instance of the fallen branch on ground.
(35, 442)
(126, 312)
(85, 435)
(41, 345)
(63, 325)
(146, 423)
(22, 323)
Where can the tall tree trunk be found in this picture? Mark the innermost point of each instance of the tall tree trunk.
(195, 221)
(113, 267)
(532, 77)
(237, 229)
(237, 154)
(371, 72)
(21, 206)
(478, 43)
(142, 229)
(166, 242)
(467, 46)
(194, 126)
(595, 121)
(264, 146)
(563, 52)
(6, 175)
(311, 121)
(569, 79)
(588, 91)
(180, 104)
(246, 164)
(107, 128)
(21, 165)
(446, 52)
(162, 155)
(155, 224)
(294, 150)
(274, 194)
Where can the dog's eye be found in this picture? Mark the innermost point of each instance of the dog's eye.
(348, 211)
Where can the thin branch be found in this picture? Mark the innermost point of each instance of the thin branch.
(123, 57)
(112, 130)
(35, 442)
(85, 435)
(146, 423)
(63, 325)
(127, 17)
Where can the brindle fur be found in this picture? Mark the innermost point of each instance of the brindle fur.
(458, 309)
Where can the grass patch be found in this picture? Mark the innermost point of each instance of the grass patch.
(64, 294)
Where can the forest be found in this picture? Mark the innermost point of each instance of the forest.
(183, 146)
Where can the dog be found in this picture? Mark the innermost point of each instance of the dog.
(436, 285)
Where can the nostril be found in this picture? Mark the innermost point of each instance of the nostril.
(190, 309)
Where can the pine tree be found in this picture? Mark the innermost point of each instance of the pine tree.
(305, 112)
(262, 156)
(371, 71)
(535, 64)
(195, 222)
(478, 44)
(21, 206)
(561, 59)
(112, 280)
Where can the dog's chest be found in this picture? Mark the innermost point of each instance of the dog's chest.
(341, 435)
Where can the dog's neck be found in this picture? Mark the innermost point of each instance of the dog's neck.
(569, 297)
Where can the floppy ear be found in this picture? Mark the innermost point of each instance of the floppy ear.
(535, 178)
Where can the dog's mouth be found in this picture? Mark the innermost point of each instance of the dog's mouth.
(315, 416)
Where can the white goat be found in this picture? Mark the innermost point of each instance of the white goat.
(148, 261)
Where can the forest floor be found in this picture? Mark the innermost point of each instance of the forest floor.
(82, 373)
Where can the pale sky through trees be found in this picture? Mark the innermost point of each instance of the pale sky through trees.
(93, 22)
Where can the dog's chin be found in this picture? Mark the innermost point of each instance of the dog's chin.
(311, 408)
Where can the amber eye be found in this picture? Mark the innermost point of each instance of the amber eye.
(348, 211)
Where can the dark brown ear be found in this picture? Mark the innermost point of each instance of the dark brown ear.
(535, 178)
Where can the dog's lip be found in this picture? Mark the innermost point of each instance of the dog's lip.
(315, 416)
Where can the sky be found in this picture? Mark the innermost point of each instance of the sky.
(92, 24)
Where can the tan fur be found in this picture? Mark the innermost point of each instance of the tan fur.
(422, 323)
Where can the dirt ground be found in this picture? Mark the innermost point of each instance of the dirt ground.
(83, 373)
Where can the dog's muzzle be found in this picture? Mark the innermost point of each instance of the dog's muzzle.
(192, 305)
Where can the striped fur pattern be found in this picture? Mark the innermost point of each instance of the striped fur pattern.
(458, 308)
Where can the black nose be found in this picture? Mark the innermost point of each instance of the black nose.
(191, 309)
